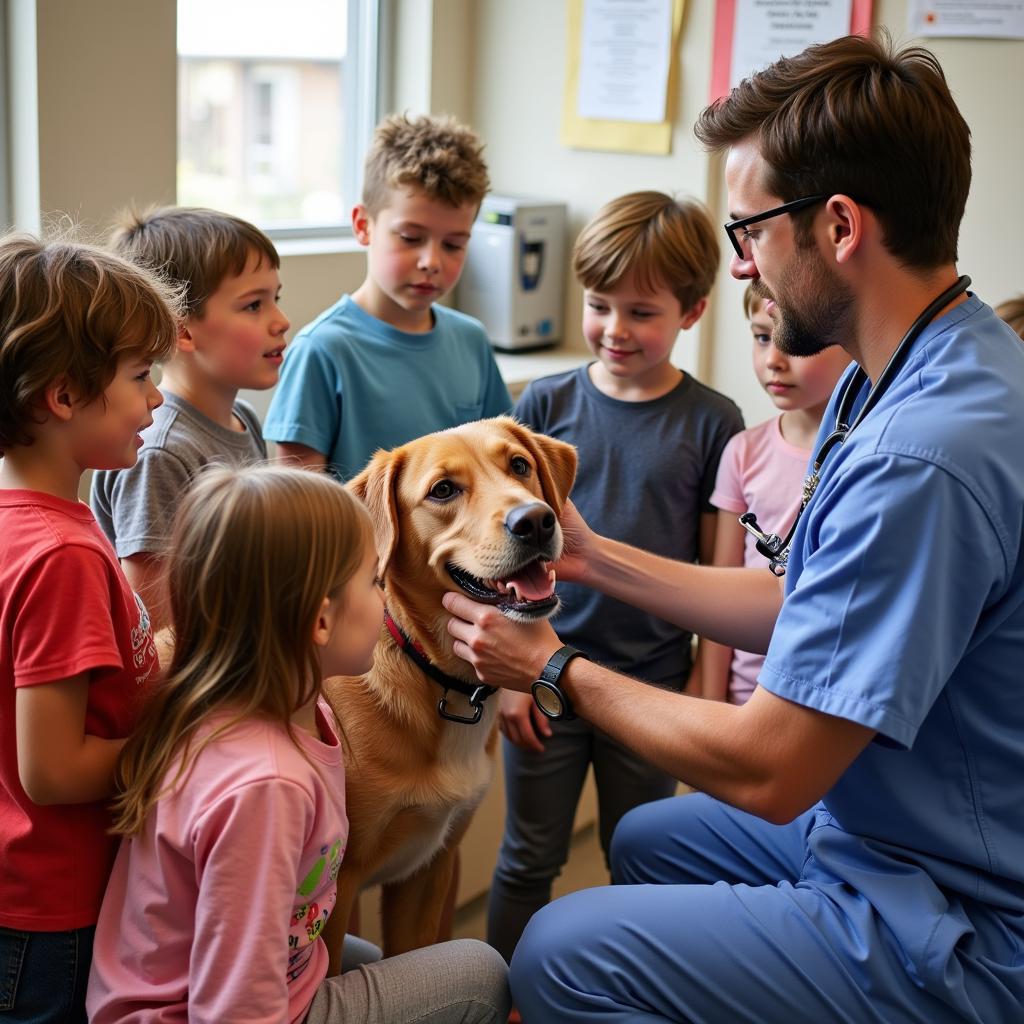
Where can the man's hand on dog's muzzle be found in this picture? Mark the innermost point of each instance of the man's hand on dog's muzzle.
(501, 652)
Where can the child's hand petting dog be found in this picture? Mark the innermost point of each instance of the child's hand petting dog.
(521, 721)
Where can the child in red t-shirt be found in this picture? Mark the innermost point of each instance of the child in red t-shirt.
(79, 331)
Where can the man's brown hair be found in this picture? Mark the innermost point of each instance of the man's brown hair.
(434, 155)
(855, 116)
(71, 312)
(664, 242)
(191, 246)
(1012, 312)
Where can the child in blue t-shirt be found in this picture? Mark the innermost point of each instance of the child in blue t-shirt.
(649, 438)
(386, 364)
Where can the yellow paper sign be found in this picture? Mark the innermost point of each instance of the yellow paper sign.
(590, 52)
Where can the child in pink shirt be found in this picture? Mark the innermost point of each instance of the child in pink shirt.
(762, 471)
(232, 791)
(1012, 312)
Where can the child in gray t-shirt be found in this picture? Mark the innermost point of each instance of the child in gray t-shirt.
(232, 338)
(649, 438)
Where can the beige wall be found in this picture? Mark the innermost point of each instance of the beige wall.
(106, 105)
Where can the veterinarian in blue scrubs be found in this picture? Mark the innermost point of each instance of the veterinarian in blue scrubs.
(857, 850)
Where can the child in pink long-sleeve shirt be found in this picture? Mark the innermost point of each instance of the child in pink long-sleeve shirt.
(762, 471)
(232, 792)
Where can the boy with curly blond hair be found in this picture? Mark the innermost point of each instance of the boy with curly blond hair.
(387, 364)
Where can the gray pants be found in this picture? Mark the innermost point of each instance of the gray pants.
(358, 951)
(541, 793)
(460, 982)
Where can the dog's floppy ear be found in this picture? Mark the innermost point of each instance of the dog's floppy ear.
(376, 486)
(556, 463)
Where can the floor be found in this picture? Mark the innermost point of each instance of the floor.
(584, 870)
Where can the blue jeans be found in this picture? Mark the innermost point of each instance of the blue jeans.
(43, 975)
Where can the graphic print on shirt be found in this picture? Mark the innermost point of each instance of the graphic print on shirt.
(143, 646)
(318, 893)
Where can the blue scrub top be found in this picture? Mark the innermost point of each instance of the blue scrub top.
(904, 612)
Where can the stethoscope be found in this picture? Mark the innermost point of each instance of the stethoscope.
(771, 545)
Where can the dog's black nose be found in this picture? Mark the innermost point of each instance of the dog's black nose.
(534, 522)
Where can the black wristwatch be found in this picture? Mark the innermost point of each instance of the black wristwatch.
(552, 700)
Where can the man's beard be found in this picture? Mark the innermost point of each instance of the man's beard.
(825, 316)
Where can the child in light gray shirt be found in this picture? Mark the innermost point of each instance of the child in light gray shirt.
(135, 508)
(232, 337)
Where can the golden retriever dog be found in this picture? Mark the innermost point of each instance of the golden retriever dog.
(474, 508)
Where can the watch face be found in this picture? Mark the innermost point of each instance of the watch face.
(547, 700)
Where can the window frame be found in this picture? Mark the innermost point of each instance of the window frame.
(363, 77)
(6, 142)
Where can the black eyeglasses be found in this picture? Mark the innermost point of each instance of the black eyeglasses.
(734, 226)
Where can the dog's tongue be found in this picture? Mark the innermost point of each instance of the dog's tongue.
(534, 583)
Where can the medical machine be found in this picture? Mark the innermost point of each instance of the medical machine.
(514, 277)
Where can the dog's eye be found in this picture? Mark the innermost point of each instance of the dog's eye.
(443, 490)
(520, 466)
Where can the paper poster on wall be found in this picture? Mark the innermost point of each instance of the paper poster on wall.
(621, 71)
(751, 34)
(624, 60)
(984, 19)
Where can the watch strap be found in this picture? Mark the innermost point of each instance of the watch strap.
(549, 679)
(552, 671)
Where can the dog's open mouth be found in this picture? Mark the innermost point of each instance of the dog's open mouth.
(527, 593)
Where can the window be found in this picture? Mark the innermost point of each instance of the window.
(276, 105)
(5, 136)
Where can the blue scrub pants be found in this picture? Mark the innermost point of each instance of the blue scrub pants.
(717, 917)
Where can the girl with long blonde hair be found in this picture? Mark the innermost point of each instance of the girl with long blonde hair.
(232, 791)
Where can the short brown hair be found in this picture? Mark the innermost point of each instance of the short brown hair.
(665, 242)
(192, 246)
(1012, 311)
(435, 155)
(72, 312)
(856, 116)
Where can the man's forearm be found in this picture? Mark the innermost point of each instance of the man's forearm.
(769, 757)
(735, 607)
(703, 743)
